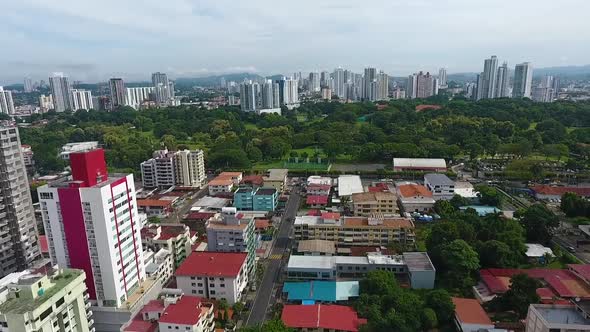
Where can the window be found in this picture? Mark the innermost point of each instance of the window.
(200, 284)
(193, 284)
(222, 285)
(212, 292)
(194, 291)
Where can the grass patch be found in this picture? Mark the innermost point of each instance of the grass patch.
(250, 126)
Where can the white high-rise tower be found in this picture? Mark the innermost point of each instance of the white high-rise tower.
(523, 79)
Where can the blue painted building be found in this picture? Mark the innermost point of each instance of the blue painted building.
(261, 199)
(243, 199)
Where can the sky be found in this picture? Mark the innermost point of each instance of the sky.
(95, 40)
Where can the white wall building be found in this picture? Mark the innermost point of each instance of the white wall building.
(81, 100)
(159, 265)
(92, 224)
(555, 318)
(6, 102)
(440, 186)
(523, 79)
(61, 92)
(136, 96)
(165, 169)
(214, 275)
(69, 148)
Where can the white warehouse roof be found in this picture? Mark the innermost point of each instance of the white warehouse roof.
(419, 163)
(349, 184)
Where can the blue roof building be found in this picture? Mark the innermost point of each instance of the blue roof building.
(482, 210)
(321, 291)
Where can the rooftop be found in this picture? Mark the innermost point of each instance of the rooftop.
(561, 314)
(419, 163)
(316, 199)
(276, 174)
(418, 261)
(481, 210)
(323, 187)
(266, 191)
(316, 179)
(212, 202)
(43, 244)
(537, 250)
(256, 180)
(323, 246)
(349, 184)
(384, 222)
(154, 203)
(186, 311)
(325, 291)
(330, 317)
(373, 196)
(438, 179)
(551, 190)
(314, 220)
(212, 264)
(469, 311)
(413, 190)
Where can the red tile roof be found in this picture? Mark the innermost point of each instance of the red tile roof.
(330, 317)
(43, 244)
(583, 270)
(257, 180)
(330, 215)
(261, 223)
(411, 190)
(212, 264)
(469, 311)
(315, 199)
(154, 202)
(186, 311)
(423, 107)
(314, 212)
(137, 324)
(200, 215)
(172, 231)
(549, 190)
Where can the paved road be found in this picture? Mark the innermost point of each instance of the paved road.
(262, 302)
(176, 216)
(564, 244)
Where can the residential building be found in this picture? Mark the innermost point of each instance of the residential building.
(338, 76)
(233, 232)
(159, 265)
(288, 91)
(28, 155)
(442, 78)
(355, 231)
(314, 82)
(158, 172)
(317, 201)
(412, 267)
(489, 78)
(118, 92)
(70, 148)
(28, 85)
(470, 316)
(160, 208)
(326, 93)
(6, 102)
(260, 199)
(321, 317)
(166, 169)
(479, 89)
(399, 93)
(162, 87)
(372, 203)
(316, 248)
(440, 186)
(38, 302)
(465, 189)
(502, 79)
(249, 96)
(556, 318)
(82, 100)
(224, 183)
(420, 85)
(135, 97)
(276, 178)
(318, 190)
(419, 164)
(61, 92)
(175, 238)
(92, 224)
(267, 94)
(46, 102)
(214, 275)
(545, 192)
(321, 291)
(174, 313)
(523, 78)
(189, 168)
(349, 184)
(414, 197)
(18, 229)
(542, 94)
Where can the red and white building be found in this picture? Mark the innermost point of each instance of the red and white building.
(321, 317)
(214, 275)
(92, 224)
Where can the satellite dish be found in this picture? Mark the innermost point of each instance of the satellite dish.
(577, 299)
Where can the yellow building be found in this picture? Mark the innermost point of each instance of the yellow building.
(367, 204)
(38, 302)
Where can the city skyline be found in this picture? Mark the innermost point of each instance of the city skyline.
(67, 34)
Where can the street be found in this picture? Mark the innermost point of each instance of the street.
(262, 302)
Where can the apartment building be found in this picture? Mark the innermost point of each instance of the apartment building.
(69, 148)
(376, 230)
(440, 186)
(261, 199)
(414, 197)
(276, 178)
(413, 267)
(371, 203)
(38, 302)
(174, 313)
(175, 238)
(214, 275)
(165, 169)
(19, 247)
(231, 231)
(556, 318)
(224, 183)
(159, 265)
(28, 155)
(92, 224)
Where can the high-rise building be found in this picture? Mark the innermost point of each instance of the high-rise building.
(276, 100)
(288, 91)
(117, 88)
(6, 102)
(61, 92)
(267, 94)
(92, 224)
(490, 70)
(412, 86)
(326, 93)
(28, 85)
(45, 302)
(46, 102)
(314, 82)
(502, 79)
(442, 78)
(164, 88)
(18, 229)
(324, 79)
(479, 93)
(382, 86)
(81, 100)
(370, 76)
(339, 82)
(136, 96)
(248, 96)
(421, 85)
(166, 169)
(523, 79)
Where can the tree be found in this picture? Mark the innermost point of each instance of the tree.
(574, 206)
(273, 325)
(539, 222)
(378, 282)
(522, 292)
(494, 253)
(429, 319)
(444, 208)
(239, 308)
(169, 142)
(460, 262)
(440, 301)
(488, 195)
(458, 201)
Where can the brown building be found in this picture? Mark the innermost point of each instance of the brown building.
(370, 203)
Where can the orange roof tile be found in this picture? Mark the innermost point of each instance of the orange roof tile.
(469, 311)
(411, 190)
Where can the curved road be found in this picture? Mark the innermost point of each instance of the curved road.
(274, 268)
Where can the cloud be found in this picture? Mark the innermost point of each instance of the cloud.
(137, 37)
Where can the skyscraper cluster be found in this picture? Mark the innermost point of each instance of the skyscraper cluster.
(546, 91)
(494, 81)
(268, 95)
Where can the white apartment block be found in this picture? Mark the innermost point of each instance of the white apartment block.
(37, 302)
(92, 224)
(440, 186)
(81, 100)
(174, 168)
(159, 265)
(6, 102)
(76, 147)
(136, 96)
(214, 275)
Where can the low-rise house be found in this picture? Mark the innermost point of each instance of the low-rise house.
(318, 190)
(544, 192)
(414, 267)
(319, 180)
(160, 208)
(254, 181)
(470, 316)
(316, 202)
(370, 203)
(261, 199)
(276, 178)
(316, 247)
(321, 317)
(320, 291)
(414, 197)
(440, 186)
(537, 252)
(419, 164)
(174, 313)
(159, 265)
(214, 275)
(224, 183)
(465, 189)
(175, 238)
(556, 318)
